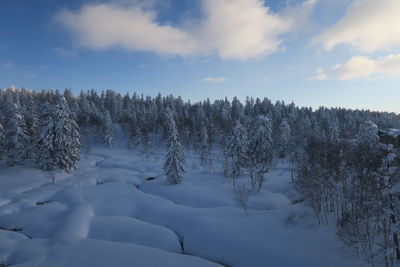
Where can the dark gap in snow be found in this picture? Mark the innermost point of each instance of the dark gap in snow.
(217, 262)
(296, 201)
(16, 230)
(39, 203)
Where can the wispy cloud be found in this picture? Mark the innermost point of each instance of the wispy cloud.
(214, 79)
(368, 26)
(239, 29)
(361, 67)
(319, 75)
(7, 65)
(64, 52)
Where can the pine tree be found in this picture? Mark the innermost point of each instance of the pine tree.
(285, 139)
(174, 161)
(205, 155)
(59, 143)
(108, 129)
(260, 151)
(2, 141)
(237, 151)
(16, 137)
(45, 150)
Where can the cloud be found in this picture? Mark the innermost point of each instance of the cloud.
(319, 76)
(104, 26)
(360, 67)
(214, 79)
(64, 52)
(241, 29)
(368, 26)
(230, 29)
(7, 65)
(363, 67)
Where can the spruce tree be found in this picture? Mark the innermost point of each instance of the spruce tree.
(260, 151)
(174, 161)
(59, 143)
(108, 130)
(2, 141)
(237, 151)
(16, 137)
(45, 150)
(284, 139)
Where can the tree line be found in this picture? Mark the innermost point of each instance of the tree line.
(346, 173)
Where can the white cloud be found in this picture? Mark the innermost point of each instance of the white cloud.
(7, 65)
(368, 26)
(64, 52)
(109, 25)
(319, 76)
(241, 29)
(214, 79)
(363, 67)
(231, 29)
(360, 67)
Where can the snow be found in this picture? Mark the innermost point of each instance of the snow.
(108, 214)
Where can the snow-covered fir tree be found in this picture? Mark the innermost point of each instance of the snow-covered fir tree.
(174, 160)
(108, 130)
(368, 132)
(2, 141)
(260, 151)
(237, 152)
(59, 139)
(284, 139)
(16, 138)
(45, 150)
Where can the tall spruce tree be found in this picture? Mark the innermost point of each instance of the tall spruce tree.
(16, 137)
(45, 150)
(285, 138)
(174, 160)
(2, 141)
(237, 152)
(108, 131)
(59, 143)
(260, 151)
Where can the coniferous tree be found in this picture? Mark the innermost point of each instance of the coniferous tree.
(285, 139)
(237, 152)
(2, 141)
(260, 151)
(59, 143)
(174, 160)
(108, 129)
(45, 150)
(16, 137)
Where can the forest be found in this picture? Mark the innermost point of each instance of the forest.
(344, 162)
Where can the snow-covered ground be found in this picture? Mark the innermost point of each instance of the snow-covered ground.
(108, 214)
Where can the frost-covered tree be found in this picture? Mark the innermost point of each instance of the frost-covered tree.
(285, 138)
(237, 151)
(59, 139)
(260, 151)
(205, 153)
(174, 160)
(368, 132)
(2, 141)
(16, 137)
(108, 131)
(45, 150)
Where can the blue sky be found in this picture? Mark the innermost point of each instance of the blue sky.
(314, 52)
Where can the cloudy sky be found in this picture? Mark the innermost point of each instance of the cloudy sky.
(313, 52)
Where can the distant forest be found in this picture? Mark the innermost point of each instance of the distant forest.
(345, 162)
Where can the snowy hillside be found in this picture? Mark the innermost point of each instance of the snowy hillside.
(108, 214)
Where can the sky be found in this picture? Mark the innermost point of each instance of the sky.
(334, 53)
